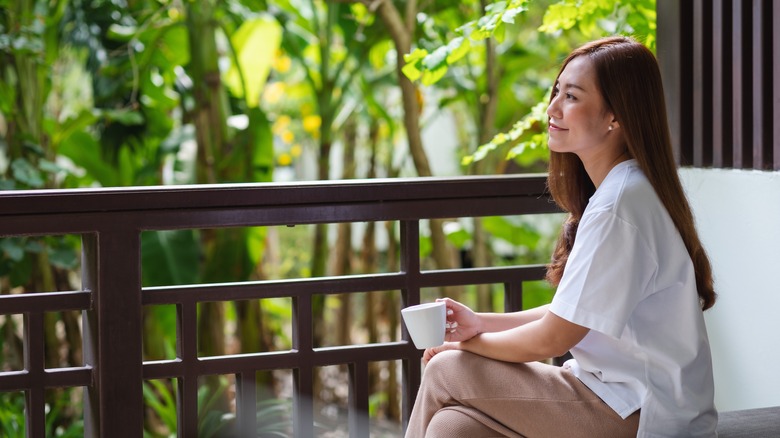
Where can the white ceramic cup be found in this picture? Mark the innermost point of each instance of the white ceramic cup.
(425, 323)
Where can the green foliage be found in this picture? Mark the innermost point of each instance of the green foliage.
(514, 233)
(431, 67)
(18, 256)
(12, 414)
(12, 421)
(273, 415)
(595, 18)
(161, 399)
(169, 257)
(537, 293)
(493, 23)
(255, 44)
(526, 128)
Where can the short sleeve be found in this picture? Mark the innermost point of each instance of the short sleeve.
(609, 271)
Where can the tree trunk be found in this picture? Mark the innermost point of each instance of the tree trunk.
(342, 253)
(443, 254)
(487, 117)
(210, 113)
(210, 119)
(393, 307)
(210, 128)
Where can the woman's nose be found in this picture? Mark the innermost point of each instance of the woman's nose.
(552, 108)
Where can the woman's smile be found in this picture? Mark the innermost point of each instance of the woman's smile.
(555, 128)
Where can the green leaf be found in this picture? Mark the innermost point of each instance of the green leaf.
(255, 44)
(164, 47)
(26, 173)
(124, 116)
(495, 8)
(85, 152)
(517, 234)
(492, 24)
(21, 271)
(169, 257)
(458, 48)
(126, 166)
(533, 120)
(537, 293)
(377, 55)
(509, 15)
(48, 166)
(436, 59)
(71, 125)
(121, 33)
(12, 248)
(411, 71)
(262, 140)
(430, 77)
(560, 16)
(458, 237)
(500, 33)
(416, 55)
(64, 258)
(255, 244)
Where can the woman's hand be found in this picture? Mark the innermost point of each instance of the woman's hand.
(433, 351)
(462, 323)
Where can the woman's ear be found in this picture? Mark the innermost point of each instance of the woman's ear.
(614, 124)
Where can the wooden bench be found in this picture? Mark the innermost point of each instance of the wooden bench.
(761, 422)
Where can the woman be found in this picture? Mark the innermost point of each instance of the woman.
(632, 281)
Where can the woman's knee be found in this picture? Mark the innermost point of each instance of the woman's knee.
(454, 423)
(444, 364)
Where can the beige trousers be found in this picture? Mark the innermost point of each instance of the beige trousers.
(469, 396)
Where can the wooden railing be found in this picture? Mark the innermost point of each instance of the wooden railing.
(112, 297)
(720, 62)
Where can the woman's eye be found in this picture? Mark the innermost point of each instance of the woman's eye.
(570, 96)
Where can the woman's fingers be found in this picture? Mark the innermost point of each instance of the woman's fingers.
(433, 351)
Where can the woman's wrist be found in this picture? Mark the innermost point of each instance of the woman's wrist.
(480, 327)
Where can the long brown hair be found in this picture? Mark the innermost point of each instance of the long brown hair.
(630, 83)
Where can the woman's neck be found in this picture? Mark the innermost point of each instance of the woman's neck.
(598, 167)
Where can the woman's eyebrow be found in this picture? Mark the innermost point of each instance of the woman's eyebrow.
(572, 85)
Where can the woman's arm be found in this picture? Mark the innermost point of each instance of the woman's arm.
(536, 339)
(463, 323)
(550, 336)
(498, 322)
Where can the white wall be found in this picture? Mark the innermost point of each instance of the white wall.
(738, 217)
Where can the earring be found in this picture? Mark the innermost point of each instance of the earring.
(610, 127)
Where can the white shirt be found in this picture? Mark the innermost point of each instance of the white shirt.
(630, 280)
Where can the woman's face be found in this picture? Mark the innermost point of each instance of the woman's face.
(578, 118)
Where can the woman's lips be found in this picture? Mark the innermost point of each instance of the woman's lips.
(554, 127)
